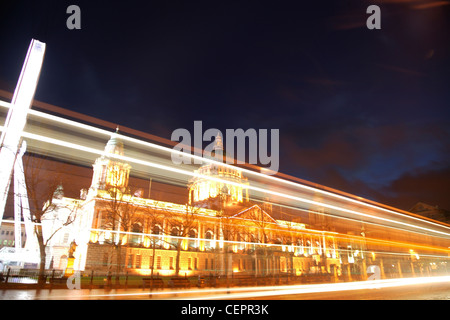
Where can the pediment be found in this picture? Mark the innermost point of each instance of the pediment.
(255, 213)
(420, 207)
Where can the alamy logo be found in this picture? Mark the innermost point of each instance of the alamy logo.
(74, 20)
(374, 21)
(74, 281)
(375, 272)
(237, 143)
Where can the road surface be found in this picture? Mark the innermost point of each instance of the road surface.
(432, 288)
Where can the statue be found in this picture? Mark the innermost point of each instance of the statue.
(72, 248)
(70, 260)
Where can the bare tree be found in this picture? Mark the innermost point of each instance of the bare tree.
(181, 224)
(121, 214)
(229, 228)
(285, 234)
(260, 224)
(43, 183)
(155, 219)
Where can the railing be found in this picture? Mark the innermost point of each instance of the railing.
(29, 276)
(95, 279)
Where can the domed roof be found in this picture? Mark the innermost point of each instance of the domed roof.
(115, 144)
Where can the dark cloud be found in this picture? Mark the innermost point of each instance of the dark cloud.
(431, 187)
(373, 161)
(358, 110)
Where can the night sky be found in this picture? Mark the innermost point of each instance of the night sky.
(363, 111)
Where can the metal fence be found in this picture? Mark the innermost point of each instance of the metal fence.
(28, 276)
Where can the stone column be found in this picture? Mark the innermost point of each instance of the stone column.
(382, 274)
(364, 270)
(413, 272)
(400, 274)
(349, 274)
(335, 275)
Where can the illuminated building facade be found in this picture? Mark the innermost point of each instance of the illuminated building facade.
(7, 234)
(221, 231)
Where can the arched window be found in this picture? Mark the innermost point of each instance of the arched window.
(318, 247)
(192, 234)
(300, 247)
(175, 232)
(136, 228)
(157, 230)
(209, 236)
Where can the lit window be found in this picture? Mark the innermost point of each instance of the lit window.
(158, 262)
(138, 261)
(130, 261)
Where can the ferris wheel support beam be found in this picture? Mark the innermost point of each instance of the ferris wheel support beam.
(17, 117)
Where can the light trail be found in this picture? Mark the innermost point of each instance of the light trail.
(194, 174)
(333, 287)
(166, 238)
(195, 157)
(335, 217)
(189, 173)
(259, 292)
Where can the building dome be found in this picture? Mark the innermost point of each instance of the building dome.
(110, 172)
(115, 144)
(208, 192)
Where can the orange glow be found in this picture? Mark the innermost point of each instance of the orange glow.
(147, 242)
(202, 188)
(116, 176)
(405, 245)
(144, 272)
(163, 272)
(184, 244)
(93, 237)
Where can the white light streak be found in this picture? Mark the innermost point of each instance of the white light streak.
(194, 174)
(339, 217)
(168, 237)
(265, 291)
(257, 292)
(193, 156)
(17, 116)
